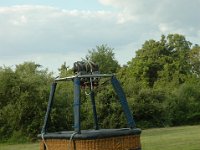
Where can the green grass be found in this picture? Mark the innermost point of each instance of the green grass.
(176, 138)
(34, 146)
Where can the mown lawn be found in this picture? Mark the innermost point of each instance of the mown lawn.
(176, 138)
(34, 146)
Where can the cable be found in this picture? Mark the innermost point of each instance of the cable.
(43, 140)
(71, 138)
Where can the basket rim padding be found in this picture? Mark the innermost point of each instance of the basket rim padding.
(92, 134)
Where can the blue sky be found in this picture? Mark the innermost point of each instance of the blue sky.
(50, 32)
(64, 4)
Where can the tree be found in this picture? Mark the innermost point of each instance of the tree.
(162, 61)
(62, 115)
(9, 93)
(177, 69)
(104, 57)
(26, 99)
(159, 69)
(9, 90)
(184, 104)
(194, 60)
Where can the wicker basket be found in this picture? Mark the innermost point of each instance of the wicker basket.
(131, 142)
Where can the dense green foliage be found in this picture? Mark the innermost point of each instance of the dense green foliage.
(104, 56)
(161, 84)
(23, 93)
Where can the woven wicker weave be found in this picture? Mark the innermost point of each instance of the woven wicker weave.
(131, 142)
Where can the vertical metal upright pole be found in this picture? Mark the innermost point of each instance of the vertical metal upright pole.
(77, 97)
(96, 126)
(50, 103)
(122, 98)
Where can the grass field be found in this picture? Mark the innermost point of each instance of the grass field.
(176, 138)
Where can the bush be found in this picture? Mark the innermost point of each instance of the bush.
(148, 108)
(184, 106)
(17, 137)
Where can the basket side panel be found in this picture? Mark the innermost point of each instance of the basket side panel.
(131, 142)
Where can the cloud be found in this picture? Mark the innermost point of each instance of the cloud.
(51, 35)
(36, 28)
(168, 15)
(31, 32)
(43, 28)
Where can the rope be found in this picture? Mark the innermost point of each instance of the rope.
(71, 139)
(43, 140)
(87, 94)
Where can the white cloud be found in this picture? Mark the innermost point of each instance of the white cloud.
(51, 35)
(167, 15)
(34, 32)
(50, 28)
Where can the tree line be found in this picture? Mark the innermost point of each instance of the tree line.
(161, 84)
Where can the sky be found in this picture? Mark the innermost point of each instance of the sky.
(51, 32)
